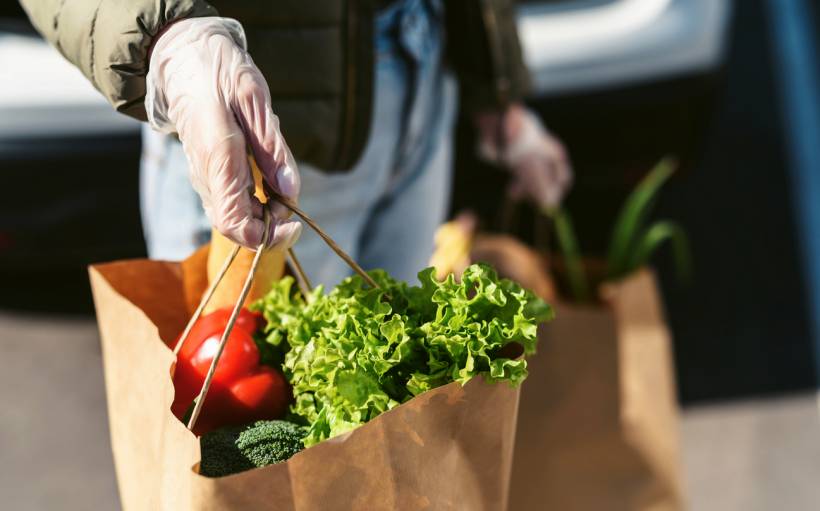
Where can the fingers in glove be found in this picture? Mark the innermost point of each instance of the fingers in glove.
(284, 233)
(221, 175)
(256, 207)
(538, 178)
(557, 179)
(561, 163)
(261, 126)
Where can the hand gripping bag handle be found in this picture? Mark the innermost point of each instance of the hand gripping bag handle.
(304, 285)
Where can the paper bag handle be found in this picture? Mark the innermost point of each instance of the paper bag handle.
(270, 192)
(301, 278)
(246, 287)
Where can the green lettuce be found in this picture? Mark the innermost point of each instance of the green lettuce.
(357, 352)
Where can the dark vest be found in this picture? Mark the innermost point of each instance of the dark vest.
(318, 59)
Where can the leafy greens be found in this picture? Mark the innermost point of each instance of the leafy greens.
(357, 352)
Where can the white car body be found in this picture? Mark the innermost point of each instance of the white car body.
(580, 45)
(574, 45)
(43, 95)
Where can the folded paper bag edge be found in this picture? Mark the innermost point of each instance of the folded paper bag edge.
(151, 448)
(312, 476)
(171, 482)
(573, 406)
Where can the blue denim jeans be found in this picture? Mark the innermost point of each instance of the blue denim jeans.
(385, 210)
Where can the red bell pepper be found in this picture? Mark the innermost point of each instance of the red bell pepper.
(242, 390)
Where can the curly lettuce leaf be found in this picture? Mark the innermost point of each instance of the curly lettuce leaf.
(357, 352)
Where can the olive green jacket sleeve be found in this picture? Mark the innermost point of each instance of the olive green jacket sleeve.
(484, 50)
(108, 40)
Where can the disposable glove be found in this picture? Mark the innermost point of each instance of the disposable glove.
(203, 85)
(516, 140)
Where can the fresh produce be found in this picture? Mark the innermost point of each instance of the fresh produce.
(576, 275)
(357, 352)
(242, 389)
(349, 356)
(271, 268)
(458, 243)
(235, 449)
(452, 241)
(632, 244)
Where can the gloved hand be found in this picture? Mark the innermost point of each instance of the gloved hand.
(203, 85)
(518, 141)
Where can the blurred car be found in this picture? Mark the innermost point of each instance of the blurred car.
(575, 46)
(68, 165)
(622, 83)
(632, 79)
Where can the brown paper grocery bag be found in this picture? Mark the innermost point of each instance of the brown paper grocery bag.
(450, 448)
(598, 418)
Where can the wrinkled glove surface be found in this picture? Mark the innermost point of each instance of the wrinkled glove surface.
(203, 85)
(517, 140)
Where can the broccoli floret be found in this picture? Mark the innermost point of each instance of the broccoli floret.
(235, 449)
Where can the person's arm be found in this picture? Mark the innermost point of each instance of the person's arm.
(514, 137)
(204, 86)
(187, 71)
(485, 52)
(108, 40)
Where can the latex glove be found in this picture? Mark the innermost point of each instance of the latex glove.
(203, 85)
(517, 140)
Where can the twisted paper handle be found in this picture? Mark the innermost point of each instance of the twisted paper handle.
(200, 400)
(304, 285)
(270, 192)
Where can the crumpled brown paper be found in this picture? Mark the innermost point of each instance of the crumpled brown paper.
(598, 418)
(449, 448)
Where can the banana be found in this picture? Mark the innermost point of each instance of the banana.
(271, 267)
(452, 249)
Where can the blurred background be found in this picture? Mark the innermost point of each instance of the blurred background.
(731, 88)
